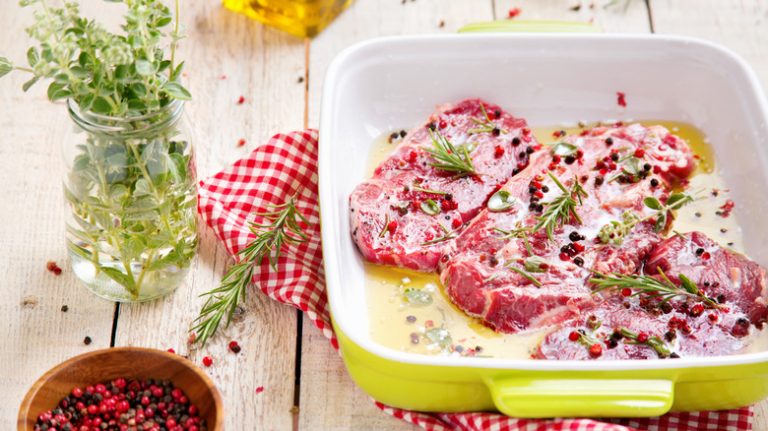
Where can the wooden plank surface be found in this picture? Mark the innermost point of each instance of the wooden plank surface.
(623, 16)
(228, 56)
(35, 333)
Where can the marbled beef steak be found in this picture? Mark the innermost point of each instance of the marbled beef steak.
(410, 211)
(506, 270)
(568, 239)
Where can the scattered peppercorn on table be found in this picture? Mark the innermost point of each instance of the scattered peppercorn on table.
(274, 370)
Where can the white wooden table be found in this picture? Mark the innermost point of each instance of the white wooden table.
(281, 77)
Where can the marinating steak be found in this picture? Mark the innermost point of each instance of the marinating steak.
(625, 329)
(526, 265)
(730, 277)
(712, 318)
(569, 238)
(413, 208)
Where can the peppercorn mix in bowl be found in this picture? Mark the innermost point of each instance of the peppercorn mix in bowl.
(123, 386)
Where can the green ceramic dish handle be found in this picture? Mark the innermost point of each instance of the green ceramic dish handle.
(539, 26)
(537, 398)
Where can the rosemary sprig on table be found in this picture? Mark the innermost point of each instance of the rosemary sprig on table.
(643, 284)
(281, 226)
(485, 124)
(449, 158)
(560, 209)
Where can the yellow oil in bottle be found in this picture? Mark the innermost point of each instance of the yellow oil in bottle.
(303, 18)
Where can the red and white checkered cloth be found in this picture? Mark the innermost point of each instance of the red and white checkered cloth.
(287, 166)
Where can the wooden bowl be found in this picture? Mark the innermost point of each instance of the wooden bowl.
(129, 362)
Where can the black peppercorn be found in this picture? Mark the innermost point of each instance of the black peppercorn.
(609, 141)
(515, 141)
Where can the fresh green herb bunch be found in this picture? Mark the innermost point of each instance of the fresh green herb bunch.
(120, 75)
(131, 182)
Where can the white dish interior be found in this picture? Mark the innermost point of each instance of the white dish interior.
(384, 84)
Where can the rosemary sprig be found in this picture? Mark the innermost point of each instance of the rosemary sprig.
(615, 231)
(448, 234)
(281, 226)
(430, 191)
(643, 284)
(655, 343)
(449, 158)
(525, 274)
(385, 229)
(518, 232)
(560, 209)
(485, 124)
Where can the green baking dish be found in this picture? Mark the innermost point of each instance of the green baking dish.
(381, 85)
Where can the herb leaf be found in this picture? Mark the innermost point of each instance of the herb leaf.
(449, 158)
(502, 200)
(448, 234)
(525, 274)
(564, 149)
(643, 284)
(281, 226)
(655, 343)
(535, 264)
(485, 124)
(560, 209)
(116, 74)
(439, 336)
(5, 66)
(417, 297)
(430, 207)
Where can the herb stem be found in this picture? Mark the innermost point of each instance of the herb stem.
(174, 37)
(281, 226)
(525, 274)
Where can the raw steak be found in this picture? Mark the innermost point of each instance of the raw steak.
(686, 326)
(491, 273)
(677, 334)
(388, 223)
(719, 272)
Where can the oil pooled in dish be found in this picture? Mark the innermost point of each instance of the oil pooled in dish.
(410, 311)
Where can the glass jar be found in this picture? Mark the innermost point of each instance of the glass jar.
(131, 187)
(303, 18)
